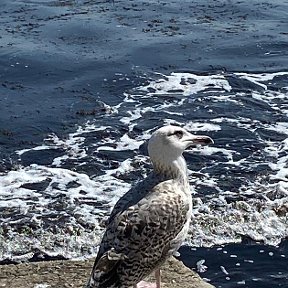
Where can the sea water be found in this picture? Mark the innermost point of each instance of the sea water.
(74, 134)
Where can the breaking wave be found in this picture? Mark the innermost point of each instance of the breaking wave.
(240, 184)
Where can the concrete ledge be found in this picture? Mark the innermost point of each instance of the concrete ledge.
(62, 274)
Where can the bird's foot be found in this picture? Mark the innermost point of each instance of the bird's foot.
(144, 284)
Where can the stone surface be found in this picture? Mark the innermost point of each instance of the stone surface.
(62, 274)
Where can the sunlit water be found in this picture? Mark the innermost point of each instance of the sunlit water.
(55, 195)
(239, 184)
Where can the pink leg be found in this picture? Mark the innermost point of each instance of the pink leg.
(144, 284)
(158, 278)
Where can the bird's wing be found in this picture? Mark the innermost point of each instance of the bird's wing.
(134, 195)
(140, 236)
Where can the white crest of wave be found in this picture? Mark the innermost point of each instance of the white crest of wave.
(258, 209)
(186, 83)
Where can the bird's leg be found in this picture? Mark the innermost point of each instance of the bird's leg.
(158, 278)
(144, 284)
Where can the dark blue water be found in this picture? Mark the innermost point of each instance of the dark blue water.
(83, 85)
(241, 265)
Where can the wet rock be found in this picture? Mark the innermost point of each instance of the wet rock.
(42, 157)
(39, 186)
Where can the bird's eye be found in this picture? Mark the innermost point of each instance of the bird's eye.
(179, 134)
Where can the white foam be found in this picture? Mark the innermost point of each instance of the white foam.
(224, 270)
(198, 126)
(261, 77)
(201, 268)
(214, 150)
(186, 84)
(124, 143)
(216, 220)
(72, 146)
(241, 122)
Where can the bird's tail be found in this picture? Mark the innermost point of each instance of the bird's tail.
(104, 273)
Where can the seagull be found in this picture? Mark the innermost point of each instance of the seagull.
(150, 222)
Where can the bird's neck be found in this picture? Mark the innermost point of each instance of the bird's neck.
(171, 169)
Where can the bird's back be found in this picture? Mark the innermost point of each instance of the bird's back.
(143, 230)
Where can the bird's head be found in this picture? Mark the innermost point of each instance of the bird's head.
(169, 142)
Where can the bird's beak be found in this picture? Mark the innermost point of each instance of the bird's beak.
(194, 140)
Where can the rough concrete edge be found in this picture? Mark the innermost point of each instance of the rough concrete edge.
(69, 273)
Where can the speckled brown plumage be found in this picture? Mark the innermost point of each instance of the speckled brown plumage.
(150, 222)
